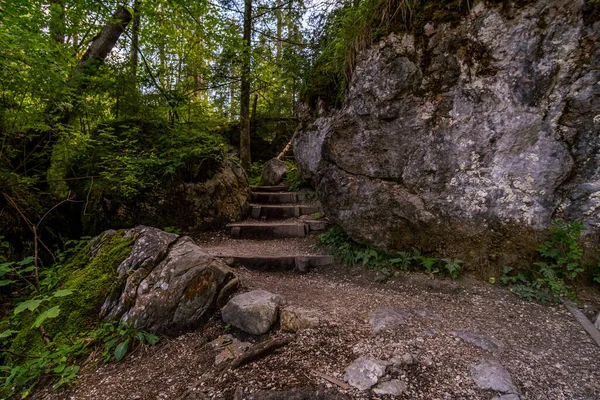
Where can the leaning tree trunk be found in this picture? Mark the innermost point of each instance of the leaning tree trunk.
(245, 95)
(100, 47)
(95, 55)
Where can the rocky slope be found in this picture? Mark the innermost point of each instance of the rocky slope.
(471, 136)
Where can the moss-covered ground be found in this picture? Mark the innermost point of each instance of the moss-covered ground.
(91, 282)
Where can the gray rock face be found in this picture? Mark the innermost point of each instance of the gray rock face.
(166, 282)
(490, 375)
(253, 312)
(273, 172)
(394, 387)
(308, 143)
(483, 133)
(596, 321)
(364, 372)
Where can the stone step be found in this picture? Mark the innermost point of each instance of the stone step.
(275, 231)
(281, 212)
(279, 198)
(280, 263)
(268, 189)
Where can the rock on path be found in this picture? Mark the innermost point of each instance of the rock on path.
(493, 376)
(253, 312)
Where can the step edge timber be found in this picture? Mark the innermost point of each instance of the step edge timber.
(268, 189)
(268, 231)
(274, 212)
(300, 263)
(280, 197)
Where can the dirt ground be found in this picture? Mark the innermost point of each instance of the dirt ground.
(547, 352)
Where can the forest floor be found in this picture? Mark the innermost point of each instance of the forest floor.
(545, 350)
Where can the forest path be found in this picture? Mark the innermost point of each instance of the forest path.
(446, 326)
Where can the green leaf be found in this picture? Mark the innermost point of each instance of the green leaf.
(6, 282)
(30, 305)
(151, 339)
(26, 261)
(121, 350)
(7, 333)
(51, 313)
(62, 293)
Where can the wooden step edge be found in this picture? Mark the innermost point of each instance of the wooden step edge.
(281, 263)
(268, 189)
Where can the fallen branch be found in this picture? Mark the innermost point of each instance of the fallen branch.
(287, 147)
(585, 323)
(260, 350)
(332, 380)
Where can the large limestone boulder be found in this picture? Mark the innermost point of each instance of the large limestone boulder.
(253, 312)
(273, 172)
(308, 143)
(475, 138)
(166, 282)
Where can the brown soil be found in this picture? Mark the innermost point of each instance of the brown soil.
(547, 352)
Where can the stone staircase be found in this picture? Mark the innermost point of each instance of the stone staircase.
(276, 215)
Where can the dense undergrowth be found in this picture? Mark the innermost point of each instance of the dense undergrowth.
(548, 280)
(53, 323)
(353, 254)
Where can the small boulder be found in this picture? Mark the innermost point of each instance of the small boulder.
(596, 321)
(394, 387)
(482, 341)
(387, 319)
(253, 312)
(228, 348)
(273, 172)
(294, 319)
(404, 359)
(365, 372)
(490, 375)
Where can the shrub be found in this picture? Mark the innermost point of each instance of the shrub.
(351, 254)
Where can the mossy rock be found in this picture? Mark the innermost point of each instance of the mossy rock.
(91, 282)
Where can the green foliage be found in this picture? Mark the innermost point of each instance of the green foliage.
(59, 361)
(67, 314)
(352, 254)
(129, 156)
(255, 173)
(173, 229)
(293, 177)
(119, 340)
(561, 262)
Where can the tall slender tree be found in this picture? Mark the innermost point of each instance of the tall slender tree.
(245, 156)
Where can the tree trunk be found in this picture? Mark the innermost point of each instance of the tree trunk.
(95, 55)
(245, 157)
(57, 20)
(101, 45)
(279, 15)
(135, 38)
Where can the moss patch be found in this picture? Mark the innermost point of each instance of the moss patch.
(91, 282)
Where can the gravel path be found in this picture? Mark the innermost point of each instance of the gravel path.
(547, 353)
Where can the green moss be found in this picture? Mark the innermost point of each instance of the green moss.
(91, 282)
